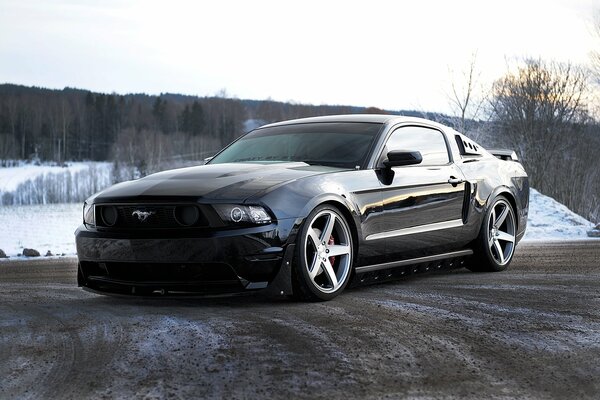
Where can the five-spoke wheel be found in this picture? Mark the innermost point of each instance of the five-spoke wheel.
(495, 246)
(324, 259)
(501, 232)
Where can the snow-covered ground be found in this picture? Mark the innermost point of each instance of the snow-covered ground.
(551, 220)
(40, 227)
(51, 226)
(11, 178)
(28, 183)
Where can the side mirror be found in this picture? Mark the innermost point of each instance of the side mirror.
(398, 158)
(207, 159)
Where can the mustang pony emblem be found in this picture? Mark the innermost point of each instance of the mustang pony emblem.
(142, 215)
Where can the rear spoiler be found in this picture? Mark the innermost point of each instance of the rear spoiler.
(503, 154)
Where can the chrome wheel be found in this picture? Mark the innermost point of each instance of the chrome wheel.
(328, 251)
(501, 232)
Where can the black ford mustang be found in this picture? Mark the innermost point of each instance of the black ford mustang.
(305, 207)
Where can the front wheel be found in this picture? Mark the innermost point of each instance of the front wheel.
(495, 245)
(324, 255)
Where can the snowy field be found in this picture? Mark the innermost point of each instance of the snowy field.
(27, 221)
(51, 226)
(11, 178)
(40, 227)
(28, 183)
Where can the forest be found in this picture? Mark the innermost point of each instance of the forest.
(540, 110)
(140, 133)
(74, 124)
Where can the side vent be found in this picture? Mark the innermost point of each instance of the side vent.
(466, 202)
(467, 147)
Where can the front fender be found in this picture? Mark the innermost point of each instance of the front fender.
(329, 198)
(298, 198)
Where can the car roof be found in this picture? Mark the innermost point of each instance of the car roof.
(367, 118)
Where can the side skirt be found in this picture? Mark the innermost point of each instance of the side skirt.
(396, 269)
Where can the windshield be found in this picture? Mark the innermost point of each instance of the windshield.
(339, 144)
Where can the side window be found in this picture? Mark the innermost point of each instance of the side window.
(430, 142)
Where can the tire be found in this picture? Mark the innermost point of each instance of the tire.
(495, 245)
(324, 255)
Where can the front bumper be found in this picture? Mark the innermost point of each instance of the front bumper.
(188, 262)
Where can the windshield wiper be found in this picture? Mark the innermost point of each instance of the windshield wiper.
(326, 163)
(313, 162)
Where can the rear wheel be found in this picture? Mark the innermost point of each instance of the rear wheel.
(324, 255)
(495, 245)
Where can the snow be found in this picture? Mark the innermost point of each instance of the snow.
(26, 183)
(551, 220)
(40, 227)
(12, 177)
(51, 226)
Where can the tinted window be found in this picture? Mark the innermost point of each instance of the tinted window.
(343, 145)
(430, 142)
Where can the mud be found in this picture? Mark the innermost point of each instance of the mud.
(532, 331)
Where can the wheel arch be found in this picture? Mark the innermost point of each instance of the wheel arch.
(342, 203)
(300, 288)
(351, 222)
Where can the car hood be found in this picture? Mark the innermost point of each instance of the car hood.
(220, 182)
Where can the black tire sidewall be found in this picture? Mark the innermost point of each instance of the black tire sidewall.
(484, 253)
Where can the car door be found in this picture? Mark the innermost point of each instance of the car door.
(422, 203)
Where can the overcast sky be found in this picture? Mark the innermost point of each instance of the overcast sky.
(388, 54)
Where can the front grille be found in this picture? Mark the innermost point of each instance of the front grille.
(162, 217)
(132, 217)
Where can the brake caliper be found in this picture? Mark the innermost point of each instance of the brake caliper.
(331, 242)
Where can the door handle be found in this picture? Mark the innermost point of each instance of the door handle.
(455, 181)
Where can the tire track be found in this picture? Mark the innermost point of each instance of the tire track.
(529, 332)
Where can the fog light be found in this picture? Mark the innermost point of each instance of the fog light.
(109, 215)
(187, 215)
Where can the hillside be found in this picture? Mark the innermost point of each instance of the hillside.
(75, 124)
(143, 133)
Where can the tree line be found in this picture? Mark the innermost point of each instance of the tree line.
(540, 109)
(73, 124)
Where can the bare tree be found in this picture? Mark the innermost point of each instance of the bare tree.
(541, 110)
(464, 99)
(595, 54)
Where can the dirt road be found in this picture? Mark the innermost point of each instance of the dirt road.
(530, 332)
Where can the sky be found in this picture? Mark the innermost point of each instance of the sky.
(388, 54)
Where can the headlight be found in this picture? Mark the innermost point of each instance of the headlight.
(234, 214)
(89, 217)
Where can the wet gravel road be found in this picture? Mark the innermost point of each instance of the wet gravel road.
(530, 332)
